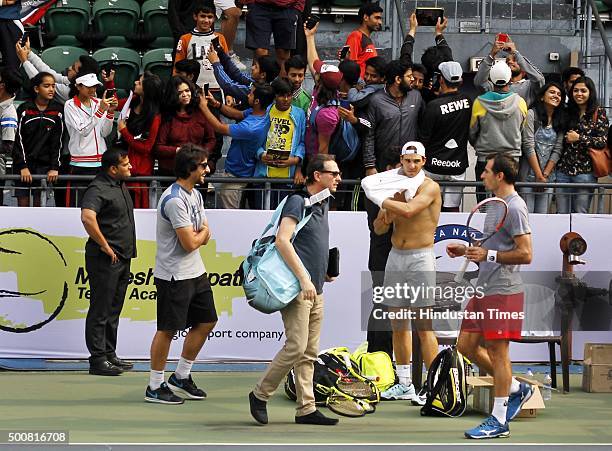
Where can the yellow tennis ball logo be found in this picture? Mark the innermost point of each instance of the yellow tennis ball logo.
(33, 287)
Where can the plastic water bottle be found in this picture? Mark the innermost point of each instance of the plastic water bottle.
(529, 373)
(546, 389)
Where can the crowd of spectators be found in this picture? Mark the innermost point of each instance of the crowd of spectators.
(275, 124)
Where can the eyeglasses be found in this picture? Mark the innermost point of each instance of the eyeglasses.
(333, 173)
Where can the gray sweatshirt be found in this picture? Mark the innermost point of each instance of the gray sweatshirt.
(35, 64)
(527, 88)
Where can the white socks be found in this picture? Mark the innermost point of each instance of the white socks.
(183, 368)
(403, 374)
(155, 379)
(515, 386)
(499, 409)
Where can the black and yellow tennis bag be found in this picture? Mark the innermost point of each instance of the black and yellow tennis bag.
(446, 379)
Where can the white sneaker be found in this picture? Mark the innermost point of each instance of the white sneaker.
(400, 391)
(236, 60)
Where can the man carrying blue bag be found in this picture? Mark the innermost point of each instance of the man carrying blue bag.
(306, 255)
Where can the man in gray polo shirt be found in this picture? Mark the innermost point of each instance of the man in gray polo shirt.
(501, 307)
(184, 297)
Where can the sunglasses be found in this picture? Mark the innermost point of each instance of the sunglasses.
(333, 173)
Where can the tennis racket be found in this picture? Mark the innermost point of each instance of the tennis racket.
(487, 216)
(345, 405)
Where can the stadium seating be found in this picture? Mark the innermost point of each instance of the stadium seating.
(65, 20)
(159, 62)
(60, 57)
(125, 62)
(117, 19)
(155, 23)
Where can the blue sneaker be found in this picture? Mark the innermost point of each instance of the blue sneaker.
(516, 401)
(400, 391)
(163, 395)
(490, 428)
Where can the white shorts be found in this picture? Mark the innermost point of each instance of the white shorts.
(451, 195)
(222, 5)
(406, 269)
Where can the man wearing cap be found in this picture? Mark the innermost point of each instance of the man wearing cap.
(526, 79)
(497, 121)
(88, 121)
(413, 211)
(444, 133)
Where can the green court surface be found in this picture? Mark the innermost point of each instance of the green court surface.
(98, 409)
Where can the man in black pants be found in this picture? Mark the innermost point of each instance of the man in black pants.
(108, 216)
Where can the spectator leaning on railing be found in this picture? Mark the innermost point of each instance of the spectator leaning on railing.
(39, 139)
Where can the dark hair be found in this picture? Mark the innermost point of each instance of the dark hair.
(591, 106)
(189, 66)
(11, 80)
(569, 71)
(37, 80)
(317, 164)
(368, 9)
(73, 83)
(395, 68)
(433, 56)
(378, 63)
(295, 62)
(540, 109)
(269, 66)
(264, 93)
(170, 104)
(420, 68)
(112, 157)
(351, 71)
(187, 160)
(281, 87)
(151, 87)
(203, 7)
(505, 164)
(325, 94)
(88, 65)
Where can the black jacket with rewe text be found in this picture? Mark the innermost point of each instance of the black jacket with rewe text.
(444, 132)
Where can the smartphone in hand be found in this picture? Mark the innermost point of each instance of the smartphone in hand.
(24, 39)
(345, 104)
(110, 93)
(344, 52)
(312, 21)
(215, 44)
(502, 37)
(206, 89)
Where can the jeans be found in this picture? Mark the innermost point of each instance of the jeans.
(574, 200)
(537, 201)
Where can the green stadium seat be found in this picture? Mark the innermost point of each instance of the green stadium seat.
(65, 20)
(156, 25)
(126, 63)
(117, 19)
(60, 57)
(159, 62)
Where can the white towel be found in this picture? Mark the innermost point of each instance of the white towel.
(384, 185)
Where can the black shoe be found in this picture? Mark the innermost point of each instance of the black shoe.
(185, 387)
(104, 368)
(316, 417)
(163, 395)
(123, 364)
(258, 409)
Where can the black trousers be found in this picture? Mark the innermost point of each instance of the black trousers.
(108, 284)
(380, 335)
(9, 35)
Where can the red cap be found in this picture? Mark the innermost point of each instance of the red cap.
(330, 74)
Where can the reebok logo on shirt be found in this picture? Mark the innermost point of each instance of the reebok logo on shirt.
(445, 163)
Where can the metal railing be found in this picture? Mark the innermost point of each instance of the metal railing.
(265, 188)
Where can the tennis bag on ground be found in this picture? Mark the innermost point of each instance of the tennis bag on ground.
(446, 379)
(375, 366)
(269, 285)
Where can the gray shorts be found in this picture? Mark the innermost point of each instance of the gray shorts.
(410, 278)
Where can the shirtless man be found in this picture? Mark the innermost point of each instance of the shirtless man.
(411, 262)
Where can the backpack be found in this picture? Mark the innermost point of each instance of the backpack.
(268, 283)
(446, 380)
(376, 366)
(344, 142)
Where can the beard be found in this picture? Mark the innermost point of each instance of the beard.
(404, 87)
(516, 72)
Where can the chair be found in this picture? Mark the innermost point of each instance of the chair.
(126, 64)
(65, 20)
(156, 25)
(118, 20)
(60, 57)
(159, 62)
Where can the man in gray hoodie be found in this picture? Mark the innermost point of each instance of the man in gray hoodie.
(526, 79)
(497, 121)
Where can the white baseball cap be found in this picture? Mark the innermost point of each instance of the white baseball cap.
(413, 147)
(88, 80)
(451, 71)
(500, 74)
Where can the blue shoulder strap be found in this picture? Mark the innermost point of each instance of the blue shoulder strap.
(276, 217)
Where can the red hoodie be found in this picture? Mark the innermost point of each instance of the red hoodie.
(140, 152)
(182, 129)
